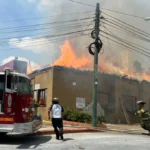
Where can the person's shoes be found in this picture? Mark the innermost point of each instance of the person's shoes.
(57, 137)
(61, 137)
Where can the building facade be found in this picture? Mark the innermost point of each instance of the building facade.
(117, 94)
(16, 65)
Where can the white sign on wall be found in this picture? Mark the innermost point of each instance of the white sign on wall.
(37, 86)
(80, 102)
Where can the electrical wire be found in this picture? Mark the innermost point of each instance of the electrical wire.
(48, 37)
(125, 45)
(131, 15)
(49, 23)
(124, 31)
(88, 26)
(125, 23)
(48, 29)
(128, 43)
(45, 43)
(58, 27)
(128, 29)
(108, 41)
(74, 13)
(123, 13)
(115, 45)
(81, 3)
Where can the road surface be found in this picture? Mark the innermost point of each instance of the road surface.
(80, 141)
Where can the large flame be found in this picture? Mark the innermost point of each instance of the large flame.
(69, 59)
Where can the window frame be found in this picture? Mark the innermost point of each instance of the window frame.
(45, 96)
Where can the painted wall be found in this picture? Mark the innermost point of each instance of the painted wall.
(68, 84)
(45, 80)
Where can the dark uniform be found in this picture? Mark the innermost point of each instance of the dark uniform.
(144, 116)
(57, 121)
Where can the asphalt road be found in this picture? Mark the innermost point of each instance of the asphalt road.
(82, 141)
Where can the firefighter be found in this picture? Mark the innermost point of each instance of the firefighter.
(56, 114)
(143, 115)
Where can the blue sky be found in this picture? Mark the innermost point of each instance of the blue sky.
(11, 10)
(16, 10)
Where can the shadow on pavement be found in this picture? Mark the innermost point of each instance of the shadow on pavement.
(23, 141)
(67, 139)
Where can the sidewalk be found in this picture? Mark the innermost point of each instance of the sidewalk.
(134, 129)
(48, 129)
(74, 127)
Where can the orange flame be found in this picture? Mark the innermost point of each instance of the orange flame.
(69, 59)
(29, 69)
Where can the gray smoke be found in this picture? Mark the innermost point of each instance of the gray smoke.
(136, 7)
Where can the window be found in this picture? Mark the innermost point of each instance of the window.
(42, 95)
(24, 86)
(130, 103)
(2, 80)
(35, 96)
(9, 82)
(104, 100)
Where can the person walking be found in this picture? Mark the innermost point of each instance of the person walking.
(55, 113)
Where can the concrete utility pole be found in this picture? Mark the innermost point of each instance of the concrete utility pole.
(98, 46)
(95, 90)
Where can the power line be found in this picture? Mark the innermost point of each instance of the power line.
(127, 32)
(49, 23)
(131, 15)
(124, 45)
(127, 28)
(43, 43)
(131, 42)
(55, 35)
(74, 13)
(131, 51)
(118, 20)
(59, 27)
(88, 26)
(50, 36)
(81, 3)
(127, 42)
(123, 13)
(108, 41)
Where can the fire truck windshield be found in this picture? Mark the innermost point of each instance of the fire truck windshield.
(24, 86)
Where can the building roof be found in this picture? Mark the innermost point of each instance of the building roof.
(39, 71)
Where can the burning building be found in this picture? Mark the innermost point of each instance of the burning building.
(117, 94)
(70, 79)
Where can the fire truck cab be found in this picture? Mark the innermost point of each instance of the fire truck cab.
(17, 112)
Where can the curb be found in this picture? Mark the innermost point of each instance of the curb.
(66, 131)
(76, 124)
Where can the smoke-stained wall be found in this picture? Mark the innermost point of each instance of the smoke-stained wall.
(116, 95)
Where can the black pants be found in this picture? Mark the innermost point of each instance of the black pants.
(58, 123)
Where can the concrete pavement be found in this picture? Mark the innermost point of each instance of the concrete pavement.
(71, 128)
(78, 141)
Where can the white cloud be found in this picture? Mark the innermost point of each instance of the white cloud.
(31, 1)
(43, 3)
(34, 66)
(46, 3)
(39, 45)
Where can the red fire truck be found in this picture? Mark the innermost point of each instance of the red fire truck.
(16, 104)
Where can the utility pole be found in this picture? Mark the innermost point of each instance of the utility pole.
(98, 46)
